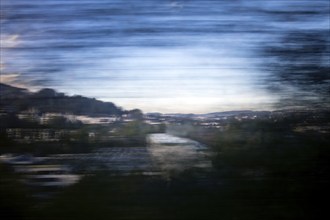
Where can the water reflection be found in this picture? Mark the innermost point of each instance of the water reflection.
(115, 160)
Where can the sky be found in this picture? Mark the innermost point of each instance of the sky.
(184, 56)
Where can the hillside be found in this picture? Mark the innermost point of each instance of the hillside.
(15, 99)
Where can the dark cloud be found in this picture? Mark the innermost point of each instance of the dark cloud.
(299, 60)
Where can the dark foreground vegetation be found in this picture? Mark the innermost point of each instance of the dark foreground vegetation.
(263, 169)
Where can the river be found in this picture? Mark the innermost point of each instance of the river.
(163, 155)
(173, 155)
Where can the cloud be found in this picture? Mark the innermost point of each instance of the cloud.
(8, 78)
(13, 79)
(9, 40)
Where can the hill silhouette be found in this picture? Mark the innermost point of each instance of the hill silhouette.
(15, 99)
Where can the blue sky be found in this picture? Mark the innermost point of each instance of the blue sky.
(157, 55)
